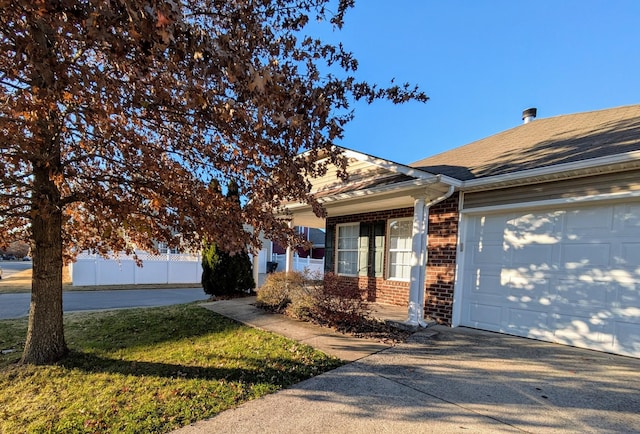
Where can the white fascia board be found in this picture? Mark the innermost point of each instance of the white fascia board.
(407, 186)
(395, 167)
(549, 171)
(389, 165)
(385, 189)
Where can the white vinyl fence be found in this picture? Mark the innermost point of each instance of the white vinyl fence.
(90, 269)
(312, 266)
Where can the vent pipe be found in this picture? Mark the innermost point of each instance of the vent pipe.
(529, 114)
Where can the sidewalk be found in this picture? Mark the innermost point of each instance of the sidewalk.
(345, 347)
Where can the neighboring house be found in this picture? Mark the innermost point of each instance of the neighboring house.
(315, 236)
(533, 232)
(302, 259)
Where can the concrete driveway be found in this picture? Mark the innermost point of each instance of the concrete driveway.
(454, 380)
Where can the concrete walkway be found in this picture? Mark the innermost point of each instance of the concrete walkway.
(345, 347)
(442, 380)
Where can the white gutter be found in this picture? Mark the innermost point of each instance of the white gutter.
(556, 169)
(386, 164)
(422, 178)
(359, 194)
(415, 314)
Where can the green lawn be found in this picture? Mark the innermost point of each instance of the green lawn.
(146, 370)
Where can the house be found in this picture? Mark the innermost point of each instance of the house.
(272, 257)
(315, 236)
(532, 232)
(310, 259)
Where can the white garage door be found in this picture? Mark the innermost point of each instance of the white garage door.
(567, 275)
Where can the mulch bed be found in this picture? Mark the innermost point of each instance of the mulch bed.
(371, 328)
(366, 327)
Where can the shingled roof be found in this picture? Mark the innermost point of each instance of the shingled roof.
(542, 142)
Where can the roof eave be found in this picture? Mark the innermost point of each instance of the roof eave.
(612, 163)
(406, 186)
(392, 166)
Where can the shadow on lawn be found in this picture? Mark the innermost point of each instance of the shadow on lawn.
(278, 371)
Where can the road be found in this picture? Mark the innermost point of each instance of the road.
(17, 305)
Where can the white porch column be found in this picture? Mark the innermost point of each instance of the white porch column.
(418, 255)
(424, 255)
(256, 269)
(289, 254)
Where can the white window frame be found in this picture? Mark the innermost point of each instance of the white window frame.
(355, 249)
(407, 249)
(163, 249)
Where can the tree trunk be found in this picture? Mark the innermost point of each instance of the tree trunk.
(45, 336)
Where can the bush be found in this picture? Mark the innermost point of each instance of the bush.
(224, 274)
(341, 306)
(324, 301)
(279, 289)
(303, 302)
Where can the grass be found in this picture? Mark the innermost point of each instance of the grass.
(146, 370)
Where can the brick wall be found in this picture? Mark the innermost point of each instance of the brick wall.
(440, 274)
(441, 262)
(377, 289)
(371, 216)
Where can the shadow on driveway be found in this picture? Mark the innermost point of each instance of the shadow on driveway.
(460, 380)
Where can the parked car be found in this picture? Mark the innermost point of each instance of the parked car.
(26, 258)
(9, 257)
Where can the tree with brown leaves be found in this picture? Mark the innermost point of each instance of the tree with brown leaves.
(116, 115)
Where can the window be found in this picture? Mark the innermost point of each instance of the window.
(163, 249)
(347, 261)
(400, 231)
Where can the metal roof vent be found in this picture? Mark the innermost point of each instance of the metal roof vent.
(529, 114)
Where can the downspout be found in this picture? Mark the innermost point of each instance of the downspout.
(419, 263)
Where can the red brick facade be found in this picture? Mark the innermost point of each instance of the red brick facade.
(442, 241)
(380, 290)
(441, 262)
(377, 289)
(371, 216)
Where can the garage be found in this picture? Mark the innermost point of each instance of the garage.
(568, 274)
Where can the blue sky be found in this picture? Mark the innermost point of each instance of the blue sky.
(482, 63)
